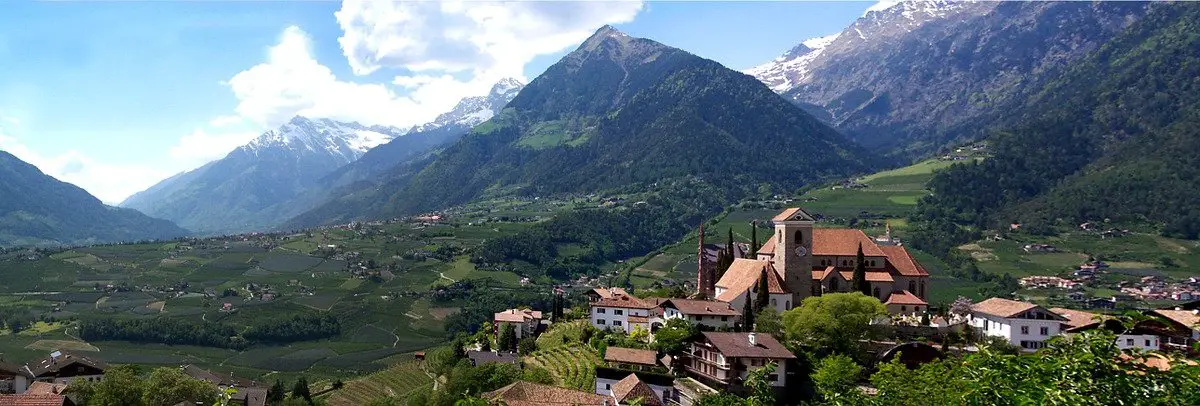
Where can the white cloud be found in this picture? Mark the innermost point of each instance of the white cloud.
(109, 182)
(201, 147)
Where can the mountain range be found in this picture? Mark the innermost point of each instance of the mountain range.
(618, 111)
(38, 210)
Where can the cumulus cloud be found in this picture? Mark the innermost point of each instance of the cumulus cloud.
(110, 182)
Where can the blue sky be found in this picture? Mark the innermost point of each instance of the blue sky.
(114, 96)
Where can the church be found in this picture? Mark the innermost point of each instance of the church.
(801, 261)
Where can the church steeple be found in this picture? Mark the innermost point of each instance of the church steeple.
(702, 273)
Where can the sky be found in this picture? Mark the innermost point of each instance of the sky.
(116, 96)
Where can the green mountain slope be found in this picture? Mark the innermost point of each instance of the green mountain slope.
(618, 112)
(36, 209)
(1114, 138)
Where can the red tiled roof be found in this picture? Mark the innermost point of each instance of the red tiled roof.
(534, 394)
(1005, 308)
(872, 276)
(1187, 318)
(843, 242)
(45, 388)
(769, 246)
(900, 259)
(905, 297)
(1077, 319)
(631, 356)
(637, 319)
(631, 388)
(744, 274)
(518, 315)
(702, 307)
(737, 345)
(783, 216)
(624, 301)
(28, 399)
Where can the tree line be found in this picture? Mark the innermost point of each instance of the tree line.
(172, 331)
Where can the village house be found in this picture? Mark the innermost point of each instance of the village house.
(634, 390)
(709, 313)
(13, 378)
(64, 367)
(799, 261)
(524, 321)
(1141, 336)
(1184, 328)
(616, 309)
(725, 360)
(1025, 325)
(524, 393)
(246, 392)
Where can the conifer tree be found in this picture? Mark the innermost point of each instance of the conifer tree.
(859, 282)
(300, 390)
(748, 314)
(764, 295)
(753, 252)
(729, 244)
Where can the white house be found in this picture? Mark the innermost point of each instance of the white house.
(622, 311)
(726, 359)
(524, 321)
(1139, 337)
(1025, 325)
(707, 313)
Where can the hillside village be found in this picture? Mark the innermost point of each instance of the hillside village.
(621, 348)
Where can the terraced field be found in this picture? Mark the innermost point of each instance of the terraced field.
(573, 366)
(398, 382)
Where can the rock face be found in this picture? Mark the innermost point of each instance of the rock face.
(617, 112)
(909, 78)
(38, 210)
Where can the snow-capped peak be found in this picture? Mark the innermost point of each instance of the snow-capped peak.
(881, 5)
(506, 85)
(820, 42)
(347, 141)
(473, 110)
(786, 71)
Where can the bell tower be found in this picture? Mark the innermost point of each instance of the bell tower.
(793, 252)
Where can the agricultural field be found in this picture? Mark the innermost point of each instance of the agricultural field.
(398, 382)
(573, 366)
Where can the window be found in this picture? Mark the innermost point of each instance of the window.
(1129, 342)
(877, 293)
(903, 309)
(616, 322)
(799, 237)
(774, 303)
(912, 286)
(600, 321)
(600, 310)
(1024, 329)
(773, 377)
(724, 318)
(1045, 331)
(1147, 343)
(607, 386)
(618, 312)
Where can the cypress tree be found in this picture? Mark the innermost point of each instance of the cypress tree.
(860, 273)
(748, 314)
(753, 240)
(729, 244)
(300, 390)
(764, 295)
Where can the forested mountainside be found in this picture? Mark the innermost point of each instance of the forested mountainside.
(619, 111)
(38, 210)
(1114, 139)
(912, 78)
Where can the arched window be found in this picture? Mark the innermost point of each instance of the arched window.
(912, 286)
(833, 284)
(903, 309)
(799, 237)
(787, 304)
(877, 293)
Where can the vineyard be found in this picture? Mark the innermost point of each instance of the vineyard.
(398, 382)
(572, 366)
(563, 334)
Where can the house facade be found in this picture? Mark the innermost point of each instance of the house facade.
(13, 378)
(1183, 330)
(1142, 336)
(524, 321)
(620, 310)
(709, 313)
(1021, 324)
(725, 360)
(64, 368)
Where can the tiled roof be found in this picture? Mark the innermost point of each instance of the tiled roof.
(783, 216)
(609, 293)
(533, 394)
(702, 307)
(637, 319)
(793, 214)
(1187, 318)
(624, 301)
(32, 400)
(900, 259)
(848, 275)
(53, 364)
(630, 388)
(769, 246)
(45, 388)
(11, 368)
(744, 274)
(843, 242)
(1002, 307)
(1077, 319)
(737, 345)
(518, 315)
(631, 356)
(905, 297)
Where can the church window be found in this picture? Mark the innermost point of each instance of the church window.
(877, 293)
(833, 284)
(799, 237)
(922, 294)
(912, 286)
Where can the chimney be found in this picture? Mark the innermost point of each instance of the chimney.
(753, 339)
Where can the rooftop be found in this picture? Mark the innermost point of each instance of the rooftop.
(631, 356)
(702, 307)
(631, 388)
(534, 394)
(737, 345)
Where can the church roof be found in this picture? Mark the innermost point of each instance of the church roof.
(899, 258)
(768, 247)
(843, 242)
(743, 274)
(905, 297)
(793, 214)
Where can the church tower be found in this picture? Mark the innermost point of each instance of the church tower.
(793, 252)
(704, 271)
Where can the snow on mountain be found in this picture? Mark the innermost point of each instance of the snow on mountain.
(879, 26)
(473, 110)
(348, 141)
